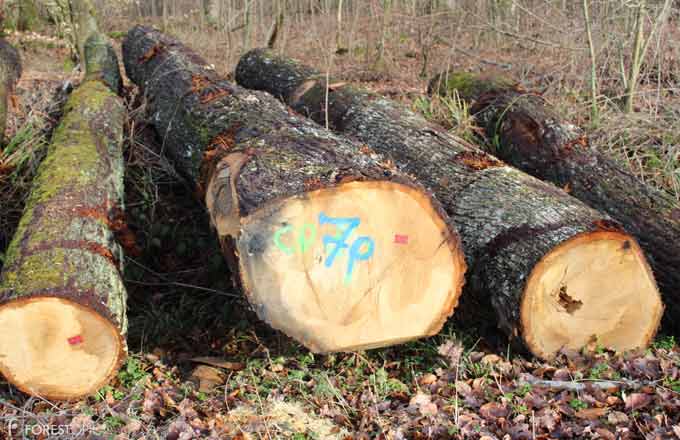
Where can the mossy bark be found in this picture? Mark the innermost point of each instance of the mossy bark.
(507, 219)
(10, 71)
(65, 245)
(466, 85)
(529, 133)
(243, 150)
(101, 62)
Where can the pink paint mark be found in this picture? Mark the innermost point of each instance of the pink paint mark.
(400, 239)
(75, 340)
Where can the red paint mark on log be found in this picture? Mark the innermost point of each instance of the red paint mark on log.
(400, 239)
(74, 340)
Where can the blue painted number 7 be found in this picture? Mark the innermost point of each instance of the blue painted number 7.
(345, 227)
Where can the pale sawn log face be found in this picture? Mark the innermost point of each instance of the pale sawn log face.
(363, 265)
(247, 153)
(535, 138)
(62, 299)
(509, 222)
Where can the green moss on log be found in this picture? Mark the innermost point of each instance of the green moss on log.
(101, 61)
(467, 85)
(63, 244)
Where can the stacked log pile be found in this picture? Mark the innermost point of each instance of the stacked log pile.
(534, 137)
(62, 298)
(332, 246)
(556, 272)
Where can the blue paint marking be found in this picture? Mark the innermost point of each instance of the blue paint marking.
(355, 253)
(361, 249)
(345, 227)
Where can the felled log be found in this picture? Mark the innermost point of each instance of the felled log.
(556, 272)
(62, 298)
(332, 247)
(10, 71)
(534, 137)
(85, 25)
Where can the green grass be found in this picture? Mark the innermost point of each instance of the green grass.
(451, 112)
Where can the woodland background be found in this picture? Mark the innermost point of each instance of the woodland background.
(611, 66)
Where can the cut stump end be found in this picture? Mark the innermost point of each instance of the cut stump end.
(57, 349)
(594, 286)
(356, 266)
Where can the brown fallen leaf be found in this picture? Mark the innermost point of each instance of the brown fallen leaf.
(429, 409)
(428, 379)
(605, 434)
(591, 413)
(207, 377)
(219, 363)
(617, 418)
(637, 400)
(493, 411)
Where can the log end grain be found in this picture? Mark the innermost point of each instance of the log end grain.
(595, 286)
(356, 266)
(56, 348)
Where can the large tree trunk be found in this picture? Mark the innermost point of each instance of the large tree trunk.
(555, 271)
(62, 299)
(10, 71)
(334, 248)
(531, 135)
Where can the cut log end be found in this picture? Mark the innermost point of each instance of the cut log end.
(57, 349)
(594, 286)
(356, 266)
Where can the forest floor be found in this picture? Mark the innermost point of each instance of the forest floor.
(203, 366)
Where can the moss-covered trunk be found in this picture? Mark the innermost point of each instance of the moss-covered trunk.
(529, 133)
(509, 221)
(65, 253)
(10, 72)
(254, 163)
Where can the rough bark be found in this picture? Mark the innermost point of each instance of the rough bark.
(531, 135)
(101, 62)
(251, 159)
(10, 72)
(85, 23)
(61, 282)
(509, 221)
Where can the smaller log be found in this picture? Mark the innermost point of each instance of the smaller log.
(530, 134)
(10, 71)
(467, 86)
(62, 298)
(101, 62)
(85, 25)
(331, 244)
(549, 270)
